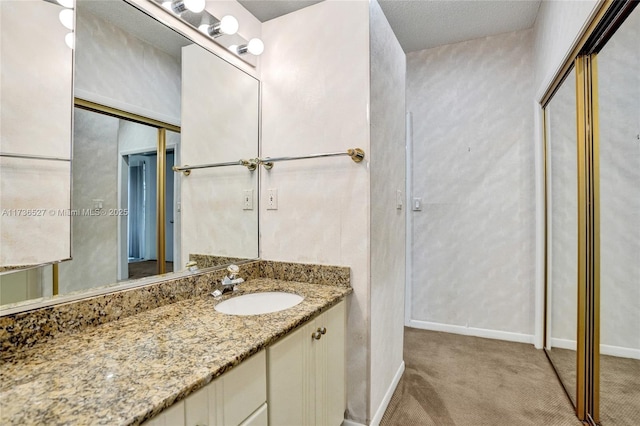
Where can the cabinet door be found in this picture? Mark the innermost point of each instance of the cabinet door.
(291, 386)
(200, 407)
(258, 418)
(244, 389)
(306, 383)
(329, 351)
(172, 416)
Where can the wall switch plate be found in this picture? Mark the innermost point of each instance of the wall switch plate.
(399, 200)
(272, 199)
(416, 204)
(247, 199)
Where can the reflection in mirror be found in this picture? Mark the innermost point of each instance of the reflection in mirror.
(619, 117)
(129, 76)
(562, 233)
(35, 135)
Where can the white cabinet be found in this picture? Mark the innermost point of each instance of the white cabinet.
(172, 416)
(235, 398)
(306, 373)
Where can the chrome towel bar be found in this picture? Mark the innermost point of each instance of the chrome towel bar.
(186, 169)
(356, 154)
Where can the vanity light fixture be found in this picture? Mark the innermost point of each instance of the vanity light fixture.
(66, 3)
(66, 18)
(179, 6)
(194, 14)
(227, 25)
(255, 47)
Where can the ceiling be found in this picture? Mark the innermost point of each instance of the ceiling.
(423, 24)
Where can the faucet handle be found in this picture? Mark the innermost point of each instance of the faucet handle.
(233, 270)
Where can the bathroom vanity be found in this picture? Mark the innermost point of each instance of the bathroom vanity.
(184, 362)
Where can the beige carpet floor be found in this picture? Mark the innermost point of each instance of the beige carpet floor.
(619, 386)
(453, 380)
(146, 268)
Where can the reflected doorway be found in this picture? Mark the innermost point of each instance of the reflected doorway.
(141, 188)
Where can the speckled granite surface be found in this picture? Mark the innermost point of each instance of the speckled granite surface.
(306, 272)
(127, 371)
(25, 329)
(210, 261)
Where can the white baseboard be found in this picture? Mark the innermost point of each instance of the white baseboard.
(385, 401)
(563, 344)
(611, 350)
(471, 331)
(619, 351)
(377, 418)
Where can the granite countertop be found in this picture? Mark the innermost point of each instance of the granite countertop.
(127, 371)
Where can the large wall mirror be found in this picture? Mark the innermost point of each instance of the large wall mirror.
(562, 233)
(147, 98)
(35, 134)
(619, 178)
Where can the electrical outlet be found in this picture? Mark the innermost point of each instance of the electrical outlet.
(247, 199)
(416, 204)
(272, 199)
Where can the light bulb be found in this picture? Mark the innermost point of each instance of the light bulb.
(65, 3)
(196, 6)
(167, 5)
(229, 25)
(66, 18)
(233, 48)
(70, 40)
(255, 46)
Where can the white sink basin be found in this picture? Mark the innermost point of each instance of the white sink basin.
(258, 303)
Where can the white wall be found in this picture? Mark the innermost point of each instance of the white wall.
(473, 167)
(315, 93)
(558, 26)
(387, 163)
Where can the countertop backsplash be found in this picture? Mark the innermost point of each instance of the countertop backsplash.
(24, 330)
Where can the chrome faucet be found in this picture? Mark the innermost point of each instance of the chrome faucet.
(230, 281)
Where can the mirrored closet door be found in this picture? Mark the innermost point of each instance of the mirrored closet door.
(619, 179)
(592, 162)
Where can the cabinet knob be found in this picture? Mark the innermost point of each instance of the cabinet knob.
(316, 335)
(322, 330)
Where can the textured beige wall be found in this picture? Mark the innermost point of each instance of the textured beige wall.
(315, 82)
(387, 162)
(473, 167)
